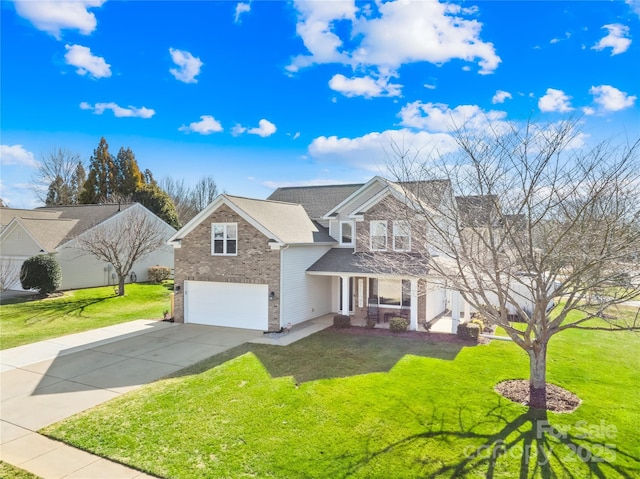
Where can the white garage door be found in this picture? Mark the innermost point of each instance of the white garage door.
(234, 305)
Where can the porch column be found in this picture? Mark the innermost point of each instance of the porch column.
(344, 307)
(455, 305)
(413, 319)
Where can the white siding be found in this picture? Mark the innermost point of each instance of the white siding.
(80, 270)
(303, 296)
(436, 300)
(364, 196)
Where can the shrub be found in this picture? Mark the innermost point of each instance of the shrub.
(157, 274)
(469, 331)
(479, 322)
(398, 324)
(341, 321)
(42, 273)
(370, 323)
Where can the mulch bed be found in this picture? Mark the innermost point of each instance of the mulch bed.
(420, 335)
(558, 399)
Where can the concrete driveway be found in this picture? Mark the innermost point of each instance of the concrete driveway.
(45, 382)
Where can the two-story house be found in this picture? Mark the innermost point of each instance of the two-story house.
(310, 251)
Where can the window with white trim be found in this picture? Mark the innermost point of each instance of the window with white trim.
(224, 239)
(378, 235)
(346, 232)
(390, 292)
(401, 236)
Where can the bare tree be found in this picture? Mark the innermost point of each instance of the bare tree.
(59, 177)
(9, 273)
(189, 201)
(529, 220)
(126, 239)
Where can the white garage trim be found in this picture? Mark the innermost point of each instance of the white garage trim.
(235, 305)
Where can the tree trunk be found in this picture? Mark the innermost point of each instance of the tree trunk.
(538, 375)
(121, 285)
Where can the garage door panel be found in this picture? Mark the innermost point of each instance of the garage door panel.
(234, 305)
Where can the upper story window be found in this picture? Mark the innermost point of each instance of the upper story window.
(378, 235)
(401, 236)
(346, 232)
(224, 239)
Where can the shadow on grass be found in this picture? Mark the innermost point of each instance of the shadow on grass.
(331, 354)
(531, 442)
(47, 310)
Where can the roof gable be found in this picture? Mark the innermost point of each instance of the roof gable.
(351, 204)
(285, 223)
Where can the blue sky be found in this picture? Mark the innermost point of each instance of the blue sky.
(265, 94)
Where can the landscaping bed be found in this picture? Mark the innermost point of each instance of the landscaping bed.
(419, 335)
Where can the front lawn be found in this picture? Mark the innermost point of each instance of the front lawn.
(27, 321)
(329, 406)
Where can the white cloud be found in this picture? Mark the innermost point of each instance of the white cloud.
(555, 100)
(118, 111)
(635, 6)
(437, 117)
(610, 98)
(371, 151)
(205, 126)
(16, 155)
(400, 32)
(189, 66)
(501, 96)
(617, 39)
(82, 58)
(429, 86)
(265, 128)
(296, 135)
(238, 129)
(240, 9)
(52, 16)
(366, 86)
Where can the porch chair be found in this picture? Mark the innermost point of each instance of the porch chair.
(373, 311)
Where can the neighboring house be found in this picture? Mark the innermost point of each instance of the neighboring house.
(303, 253)
(55, 230)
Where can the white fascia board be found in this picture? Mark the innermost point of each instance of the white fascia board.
(353, 195)
(214, 205)
(374, 200)
(197, 219)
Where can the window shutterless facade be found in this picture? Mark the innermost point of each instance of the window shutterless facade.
(390, 292)
(224, 239)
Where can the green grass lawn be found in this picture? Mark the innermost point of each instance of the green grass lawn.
(7, 471)
(335, 405)
(27, 321)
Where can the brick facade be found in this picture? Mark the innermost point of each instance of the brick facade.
(255, 263)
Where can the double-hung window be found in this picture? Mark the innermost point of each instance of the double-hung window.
(401, 236)
(378, 235)
(224, 239)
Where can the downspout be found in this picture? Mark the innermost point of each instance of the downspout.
(285, 247)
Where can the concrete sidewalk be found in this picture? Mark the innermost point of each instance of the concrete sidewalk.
(45, 382)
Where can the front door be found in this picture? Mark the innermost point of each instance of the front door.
(350, 294)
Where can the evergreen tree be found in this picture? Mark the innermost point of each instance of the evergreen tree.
(156, 200)
(129, 178)
(58, 193)
(77, 183)
(101, 182)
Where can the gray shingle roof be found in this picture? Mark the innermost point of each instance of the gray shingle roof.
(344, 260)
(288, 221)
(49, 233)
(316, 200)
(52, 226)
(88, 216)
